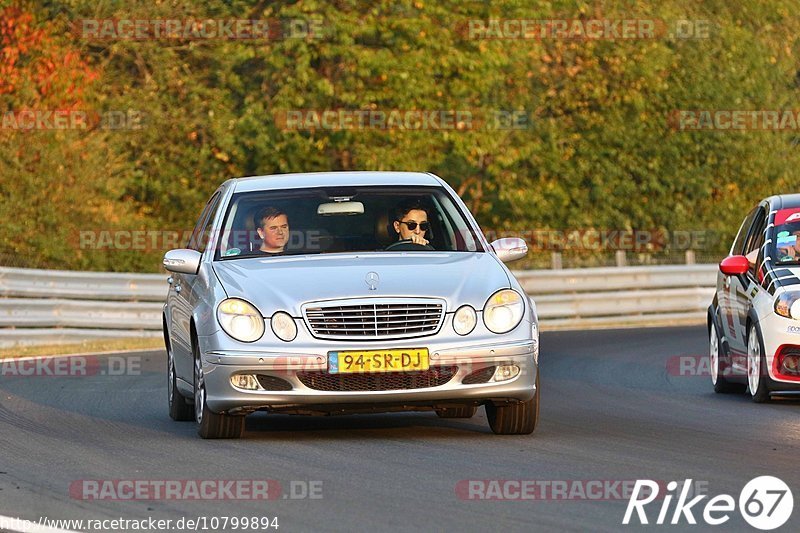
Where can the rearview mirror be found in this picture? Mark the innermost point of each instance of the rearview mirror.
(510, 249)
(340, 208)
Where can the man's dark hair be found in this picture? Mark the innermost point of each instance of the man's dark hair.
(404, 207)
(266, 213)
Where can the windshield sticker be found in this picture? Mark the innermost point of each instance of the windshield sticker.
(784, 241)
(787, 216)
(233, 251)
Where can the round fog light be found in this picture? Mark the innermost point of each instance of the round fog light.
(505, 372)
(245, 381)
(283, 326)
(791, 364)
(464, 320)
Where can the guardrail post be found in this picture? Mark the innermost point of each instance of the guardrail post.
(689, 257)
(555, 261)
(621, 259)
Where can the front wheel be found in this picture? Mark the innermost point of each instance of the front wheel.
(179, 409)
(211, 425)
(757, 377)
(515, 419)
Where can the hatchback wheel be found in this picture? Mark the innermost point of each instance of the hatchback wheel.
(515, 419)
(211, 425)
(757, 378)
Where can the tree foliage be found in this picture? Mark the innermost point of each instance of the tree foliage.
(596, 150)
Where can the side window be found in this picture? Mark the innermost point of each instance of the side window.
(755, 240)
(202, 231)
(738, 243)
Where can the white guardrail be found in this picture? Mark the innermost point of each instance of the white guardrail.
(58, 306)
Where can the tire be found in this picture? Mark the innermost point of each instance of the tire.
(757, 377)
(211, 425)
(514, 419)
(715, 355)
(467, 411)
(180, 409)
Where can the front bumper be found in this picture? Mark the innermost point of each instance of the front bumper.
(778, 334)
(219, 365)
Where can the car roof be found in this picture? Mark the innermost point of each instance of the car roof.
(784, 201)
(334, 179)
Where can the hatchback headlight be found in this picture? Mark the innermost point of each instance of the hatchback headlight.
(240, 319)
(788, 305)
(503, 311)
(465, 319)
(283, 326)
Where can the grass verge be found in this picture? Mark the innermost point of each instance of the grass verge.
(94, 346)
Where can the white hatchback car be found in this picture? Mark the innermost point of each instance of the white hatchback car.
(754, 319)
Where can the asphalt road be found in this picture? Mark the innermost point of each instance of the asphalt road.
(615, 408)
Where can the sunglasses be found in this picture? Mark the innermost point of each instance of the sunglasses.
(424, 226)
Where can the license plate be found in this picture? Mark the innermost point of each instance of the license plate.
(351, 362)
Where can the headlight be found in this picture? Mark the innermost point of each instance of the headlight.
(788, 305)
(465, 319)
(283, 326)
(503, 311)
(240, 320)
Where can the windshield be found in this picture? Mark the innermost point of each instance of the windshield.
(353, 219)
(785, 248)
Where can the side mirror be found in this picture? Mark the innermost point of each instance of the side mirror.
(182, 261)
(510, 249)
(734, 265)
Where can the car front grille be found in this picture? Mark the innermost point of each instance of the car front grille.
(374, 318)
(323, 381)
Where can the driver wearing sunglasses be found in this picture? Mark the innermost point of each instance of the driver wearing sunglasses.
(411, 222)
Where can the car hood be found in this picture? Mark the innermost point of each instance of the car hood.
(285, 283)
(780, 272)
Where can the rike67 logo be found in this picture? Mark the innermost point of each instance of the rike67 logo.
(765, 503)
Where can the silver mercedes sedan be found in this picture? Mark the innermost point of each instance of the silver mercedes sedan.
(346, 292)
